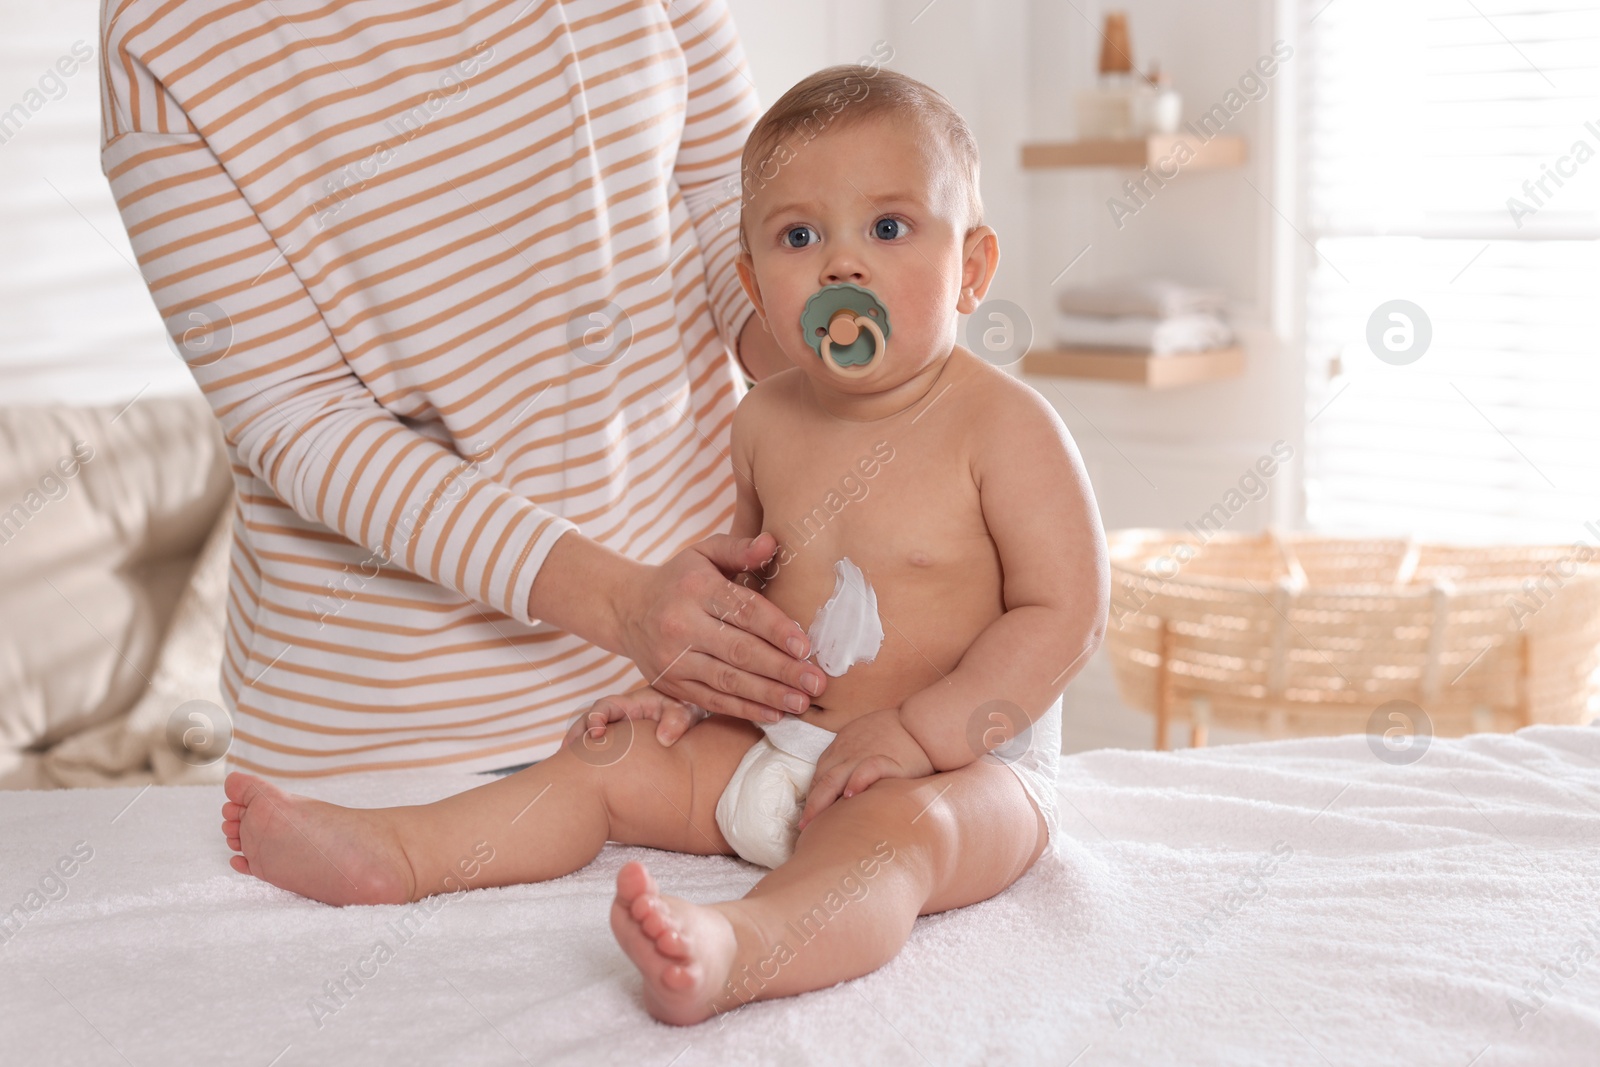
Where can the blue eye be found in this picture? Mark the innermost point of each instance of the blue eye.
(887, 229)
(800, 236)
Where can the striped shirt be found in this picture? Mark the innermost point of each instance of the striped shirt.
(456, 278)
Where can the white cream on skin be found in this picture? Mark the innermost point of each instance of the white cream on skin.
(846, 630)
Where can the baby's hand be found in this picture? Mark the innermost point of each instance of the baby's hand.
(673, 717)
(872, 747)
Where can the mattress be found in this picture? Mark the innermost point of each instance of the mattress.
(1297, 901)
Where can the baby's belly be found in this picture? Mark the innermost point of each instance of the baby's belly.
(930, 609)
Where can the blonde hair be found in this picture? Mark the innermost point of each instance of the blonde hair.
(848, 93)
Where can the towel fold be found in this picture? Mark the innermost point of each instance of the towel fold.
(1159, 336)
(1150, 297)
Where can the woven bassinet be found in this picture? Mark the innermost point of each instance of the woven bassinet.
(1297, 635)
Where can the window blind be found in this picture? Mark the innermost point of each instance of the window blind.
(1450, 155)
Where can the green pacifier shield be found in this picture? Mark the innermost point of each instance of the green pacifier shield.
(827, 302)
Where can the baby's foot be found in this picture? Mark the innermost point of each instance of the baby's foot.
(684, 950)
(322, 851)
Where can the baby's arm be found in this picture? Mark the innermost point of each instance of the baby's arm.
(1041, 513)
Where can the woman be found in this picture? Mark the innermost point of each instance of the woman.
(458, 284)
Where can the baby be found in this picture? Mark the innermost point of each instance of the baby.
(931, 518)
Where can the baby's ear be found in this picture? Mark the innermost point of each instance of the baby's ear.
(980, 259)
(745, 265)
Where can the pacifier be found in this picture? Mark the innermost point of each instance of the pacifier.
(848, 327)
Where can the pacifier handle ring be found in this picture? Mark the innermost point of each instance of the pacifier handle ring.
(859, 370)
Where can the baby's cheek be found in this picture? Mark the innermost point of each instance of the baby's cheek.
(921, 317)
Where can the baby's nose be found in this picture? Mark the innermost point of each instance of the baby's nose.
(844, 267)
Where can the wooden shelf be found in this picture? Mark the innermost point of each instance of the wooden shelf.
(1157, 150)
(1137, 368)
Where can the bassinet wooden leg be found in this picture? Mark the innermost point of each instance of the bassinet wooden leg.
(1163, 694)
(1200, 717)
(1525, 681)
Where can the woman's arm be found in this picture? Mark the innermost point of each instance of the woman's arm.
(275, 375)
(759, 352)
(729, 630)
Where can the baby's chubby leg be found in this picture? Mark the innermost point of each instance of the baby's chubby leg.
(542, 822)
(844, 904)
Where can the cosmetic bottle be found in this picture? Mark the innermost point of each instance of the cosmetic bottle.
(1160, 106)
(1107, 110)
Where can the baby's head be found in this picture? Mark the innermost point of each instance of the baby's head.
(865, 176)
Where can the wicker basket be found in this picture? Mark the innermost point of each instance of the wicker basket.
(1309, 635)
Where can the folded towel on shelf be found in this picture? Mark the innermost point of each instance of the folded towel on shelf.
(1152, 297)
(1159, 336)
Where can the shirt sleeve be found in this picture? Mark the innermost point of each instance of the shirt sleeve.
(722, 111)
(291, 408)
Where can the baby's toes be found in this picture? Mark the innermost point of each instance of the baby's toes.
(634, 883)
(233, 812)
(677, 977)
(238, 786)
(646, 911)
(240, 864)
(671, 945)
(659, 925)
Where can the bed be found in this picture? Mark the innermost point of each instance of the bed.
(1296, 901)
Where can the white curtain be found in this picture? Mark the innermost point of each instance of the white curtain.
(1452, 160)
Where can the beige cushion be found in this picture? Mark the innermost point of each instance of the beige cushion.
(102, 513)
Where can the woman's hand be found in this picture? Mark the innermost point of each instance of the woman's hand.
(874, 746)
(706, 640)
(673, 718)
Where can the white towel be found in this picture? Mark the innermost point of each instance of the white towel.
(1150, 297)
(1160, 336)
(1409, 910)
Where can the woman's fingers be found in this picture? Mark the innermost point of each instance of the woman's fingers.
(702, 638)
(733, 555)
(744, 608)
(754, 668)
(729, 690)
(685, 683)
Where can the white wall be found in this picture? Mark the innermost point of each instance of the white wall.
(787, 41)
(76, 321)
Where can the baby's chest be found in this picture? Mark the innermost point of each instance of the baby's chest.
(874, 490)
(907, 516)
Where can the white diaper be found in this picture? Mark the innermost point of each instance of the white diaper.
(1037, 765)
(761, 806)
(759, 810)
